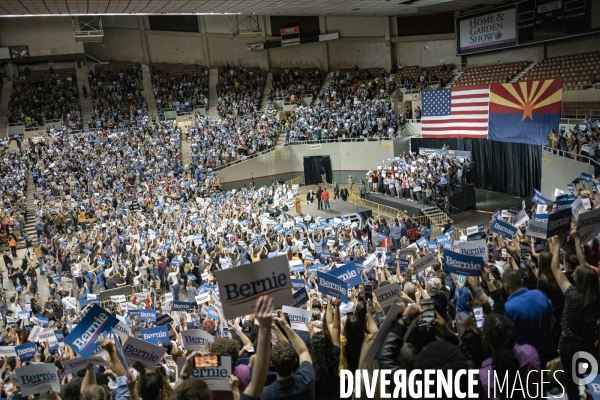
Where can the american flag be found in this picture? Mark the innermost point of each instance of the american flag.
(459, 112)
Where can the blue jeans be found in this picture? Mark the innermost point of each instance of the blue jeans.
(175, 291)
(396, 243)
(326, 205)
(392, 192)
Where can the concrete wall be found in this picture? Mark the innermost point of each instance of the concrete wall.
(362, 52)
(531, 53)
(441, 49)
(573, 46)
(175, 47)
(304, 56)
(358, 26)
(346, 158)
(557, 171)
(44, 35)
(119, 44)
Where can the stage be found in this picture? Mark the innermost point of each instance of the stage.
(339, 208)
(460, 201)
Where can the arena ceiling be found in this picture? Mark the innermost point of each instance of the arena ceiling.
(260, 7)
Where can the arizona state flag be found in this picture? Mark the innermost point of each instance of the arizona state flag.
(524, 112)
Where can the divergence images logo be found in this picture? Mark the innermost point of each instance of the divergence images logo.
(581, 364)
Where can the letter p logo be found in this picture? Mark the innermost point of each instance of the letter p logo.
(581, 364)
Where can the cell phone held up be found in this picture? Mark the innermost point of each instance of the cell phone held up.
(428, 312)
(368, 290)
(209, 360)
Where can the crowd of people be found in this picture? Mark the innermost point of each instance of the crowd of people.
(117, 97)
(426, 179)
(116, 207)
(36, 99)
(180, 91)
(290, 84)
(240, 90)
(216, 143)
(582, 140)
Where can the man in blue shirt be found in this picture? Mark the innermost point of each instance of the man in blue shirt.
(532, 313)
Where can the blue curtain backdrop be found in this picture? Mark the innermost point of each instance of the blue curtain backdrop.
(511, 168)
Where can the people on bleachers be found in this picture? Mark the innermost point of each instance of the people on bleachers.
(118, 96)
(216, 143)
(179, 86)
(290, 84)
(240, 90)
(45, 95)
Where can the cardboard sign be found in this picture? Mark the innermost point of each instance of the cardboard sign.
(577, 208)
(8, 351)
(330, 285)
(164, 319)
(476, 248)
(387, 294)
(148, 315)
(77, 364)
(241, 287)
(424, 262)
(216, 378)
(298, 318)
(161, 333)
(38, 378)
(461, 264)
(182, 306)
(559, 221)
(35, 333)
(25, 351)
(196, 339)
(300, 298)
(348, 273)
(118, 299)
(136, 350)
(122, 330)
(202, 298)
(588, 225)
(503, 229)
(537, 229)
(84, 337)
(520, 218)
(407, 251)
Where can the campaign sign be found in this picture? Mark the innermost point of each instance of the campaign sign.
(164, 320)
(538, 198)
(348, 273)
(588, 225)
(559, 221)
(23, 314)
(241, 287)
(25, 351)
(563, 204)
(541, 217)
(8, 351)
(196, 339)
(49, 336)
(387, 294)
(503, 229)
(329, 284)
(298, 318)
(35, 332)
(577, 208)
(136, 350)
(148, 315)
(407, 251)
(216, 378)
(476, 248)
(161, 333)
(122, 330)
(424, 262)
(300, 298)
(60, 337)
(202, 298)
(182, 306)
(43, 322)
(298, 284)
(520, 218)
(297, 266)
(460, 264)
(84, 337)
(537, 229)
(474, 236)
(77, 364)
(212, 313)
(38, 378)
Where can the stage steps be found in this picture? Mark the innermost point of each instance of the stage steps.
(436, 216)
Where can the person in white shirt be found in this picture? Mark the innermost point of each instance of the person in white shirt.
(15, 306)
(174, 283)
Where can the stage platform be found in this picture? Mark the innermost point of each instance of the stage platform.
(339, 208)
(459, 200)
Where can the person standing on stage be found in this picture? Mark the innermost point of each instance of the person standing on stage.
(319, 199)
(336, 191)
